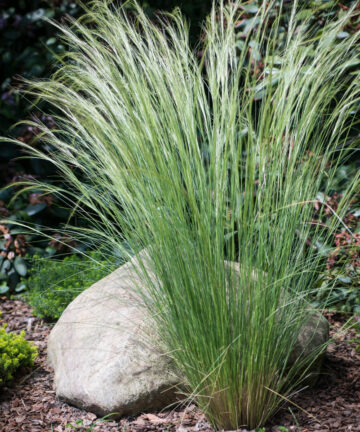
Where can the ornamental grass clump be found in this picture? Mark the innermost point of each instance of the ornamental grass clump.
(203, 161)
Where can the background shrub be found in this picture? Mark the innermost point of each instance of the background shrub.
(341, 250)
(29, 47)
(15, 352)
(53, 284)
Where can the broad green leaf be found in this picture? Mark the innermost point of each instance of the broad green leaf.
(21, 286)
(20, 266)
(34, 209)
(4, 289)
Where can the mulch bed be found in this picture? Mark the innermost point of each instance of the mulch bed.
(31, 405)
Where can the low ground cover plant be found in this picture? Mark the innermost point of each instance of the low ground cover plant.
(15, 352)
(180, 155)
(54, 283)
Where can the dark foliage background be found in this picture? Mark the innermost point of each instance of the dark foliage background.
(29, 47)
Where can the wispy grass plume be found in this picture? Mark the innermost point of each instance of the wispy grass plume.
(205, 162)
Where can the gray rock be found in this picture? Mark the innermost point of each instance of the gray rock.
(101, 359)
(104, 364)
(314, 334)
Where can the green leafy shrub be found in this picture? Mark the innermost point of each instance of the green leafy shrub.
(29, 46)
(53, 283)
(338, 286)
(17, 244)
(15, 353)
(339, 289)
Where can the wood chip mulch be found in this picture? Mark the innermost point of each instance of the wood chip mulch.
(31, 405)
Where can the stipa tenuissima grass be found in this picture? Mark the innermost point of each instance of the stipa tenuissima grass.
(177, 155)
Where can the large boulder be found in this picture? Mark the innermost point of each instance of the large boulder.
(103, 362)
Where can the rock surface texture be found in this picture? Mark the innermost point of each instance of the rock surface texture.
(102, 361)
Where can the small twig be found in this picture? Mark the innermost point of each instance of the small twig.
(292, 403)
(23, 379)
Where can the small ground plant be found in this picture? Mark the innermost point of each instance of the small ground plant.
(54, 283)
(205, 161)
(15, 352)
